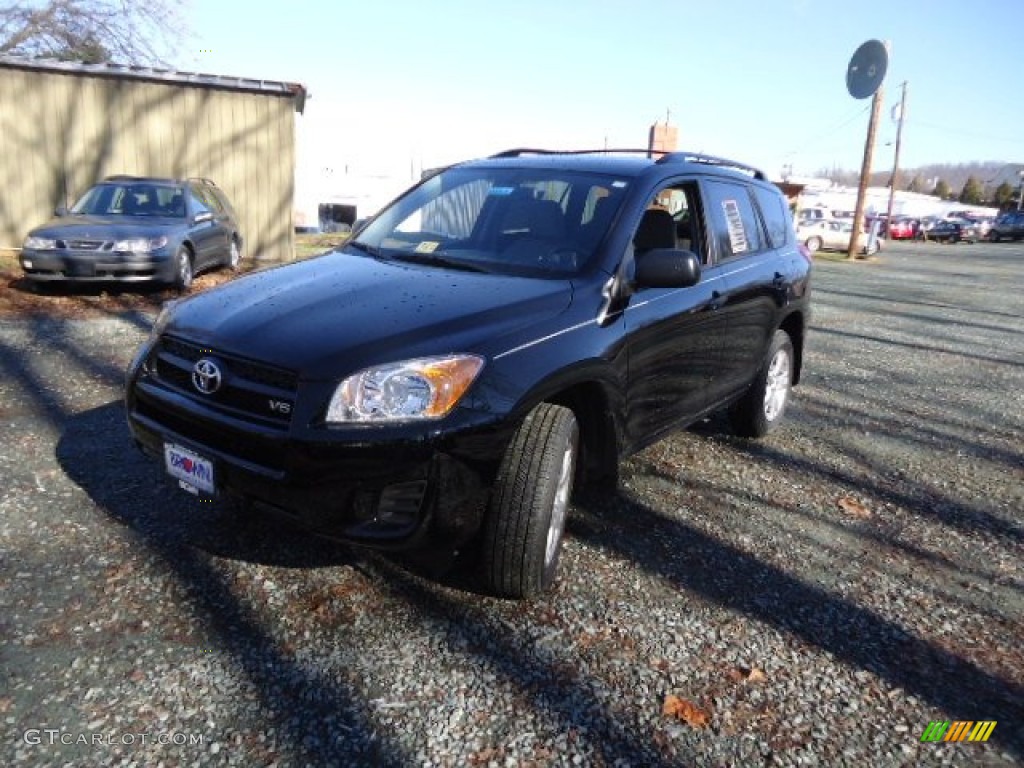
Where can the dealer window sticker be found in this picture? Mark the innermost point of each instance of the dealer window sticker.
(427, 246)
(737, 235)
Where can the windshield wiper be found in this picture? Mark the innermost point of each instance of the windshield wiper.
(370, 250)
(437, 260)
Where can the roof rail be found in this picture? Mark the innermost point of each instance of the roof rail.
(202, 180)
(665, 157)
(696, 157)
(605, 151)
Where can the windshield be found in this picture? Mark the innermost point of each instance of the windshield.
(545, 222)
(132, 199)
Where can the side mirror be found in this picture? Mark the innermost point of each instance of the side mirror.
(202, 216)
(667, 268)
(60, 210)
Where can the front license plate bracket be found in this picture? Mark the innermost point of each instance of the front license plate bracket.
(189, 468)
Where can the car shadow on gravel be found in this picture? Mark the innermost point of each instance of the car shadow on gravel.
(95, 452)
(696, 562)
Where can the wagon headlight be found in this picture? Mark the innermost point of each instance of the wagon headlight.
(34, 243)
(426, 388)
(140, 244)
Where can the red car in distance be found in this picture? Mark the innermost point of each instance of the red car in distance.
(902, 229)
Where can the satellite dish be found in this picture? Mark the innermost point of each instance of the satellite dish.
(867, 69)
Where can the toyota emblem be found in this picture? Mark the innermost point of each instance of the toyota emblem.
(206, 376)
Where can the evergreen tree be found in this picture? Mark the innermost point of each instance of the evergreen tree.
(972, 193)
(1004, 194)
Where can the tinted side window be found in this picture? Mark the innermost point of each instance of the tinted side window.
(223, 202)
(198, 204)
(774, 212)
(733, 220)
(209, 199)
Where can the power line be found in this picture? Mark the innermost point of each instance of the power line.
(972, 134)
(828, 132)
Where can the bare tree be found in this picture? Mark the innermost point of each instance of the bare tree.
(94, 31)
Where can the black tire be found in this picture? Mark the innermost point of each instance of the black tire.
(234, 255)
(994, 237)
(813, 244)
(761, 409)
(182, 269)
(522, 534)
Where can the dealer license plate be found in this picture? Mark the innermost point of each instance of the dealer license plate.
(189, 468)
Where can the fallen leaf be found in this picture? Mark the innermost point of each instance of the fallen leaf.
(5, 703)
(744, 675)
(684, 710)
(136, 676)
(757, 675)
(854, 508)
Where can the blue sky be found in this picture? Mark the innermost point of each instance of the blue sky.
(410, 84)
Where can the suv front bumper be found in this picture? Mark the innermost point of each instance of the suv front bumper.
(397, 494)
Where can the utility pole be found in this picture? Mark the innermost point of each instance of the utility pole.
(896, 156)
(865, 172)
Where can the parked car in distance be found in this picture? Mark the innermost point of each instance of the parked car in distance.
(834, 235)
(501, 334)
(1007, 226)
(949, 231)
(902, 228)
(137, 229)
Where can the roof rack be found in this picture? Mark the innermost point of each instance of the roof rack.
(696, 157)
(606, 151)
(131, 177)
(665, 157)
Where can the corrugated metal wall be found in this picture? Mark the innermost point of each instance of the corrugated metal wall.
(59, 133)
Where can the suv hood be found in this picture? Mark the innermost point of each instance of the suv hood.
(332, 315)
(105, 227)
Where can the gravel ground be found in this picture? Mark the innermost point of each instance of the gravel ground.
(816, 598)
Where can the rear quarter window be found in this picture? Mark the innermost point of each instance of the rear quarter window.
(734, 223)
(775, 214)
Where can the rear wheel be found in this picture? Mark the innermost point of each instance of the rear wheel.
(813, 244)
(762, 408)
(235, 255)
(522, 536)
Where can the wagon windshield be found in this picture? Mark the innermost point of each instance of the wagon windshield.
(132, 199)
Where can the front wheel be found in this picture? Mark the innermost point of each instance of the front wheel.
(182, 269)
(761, 409)
(522, 536)
(813, 244)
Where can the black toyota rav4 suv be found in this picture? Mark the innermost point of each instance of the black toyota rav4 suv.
(500, 334)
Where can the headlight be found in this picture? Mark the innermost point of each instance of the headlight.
(140, 244)
(40, 243)
(425, 388)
